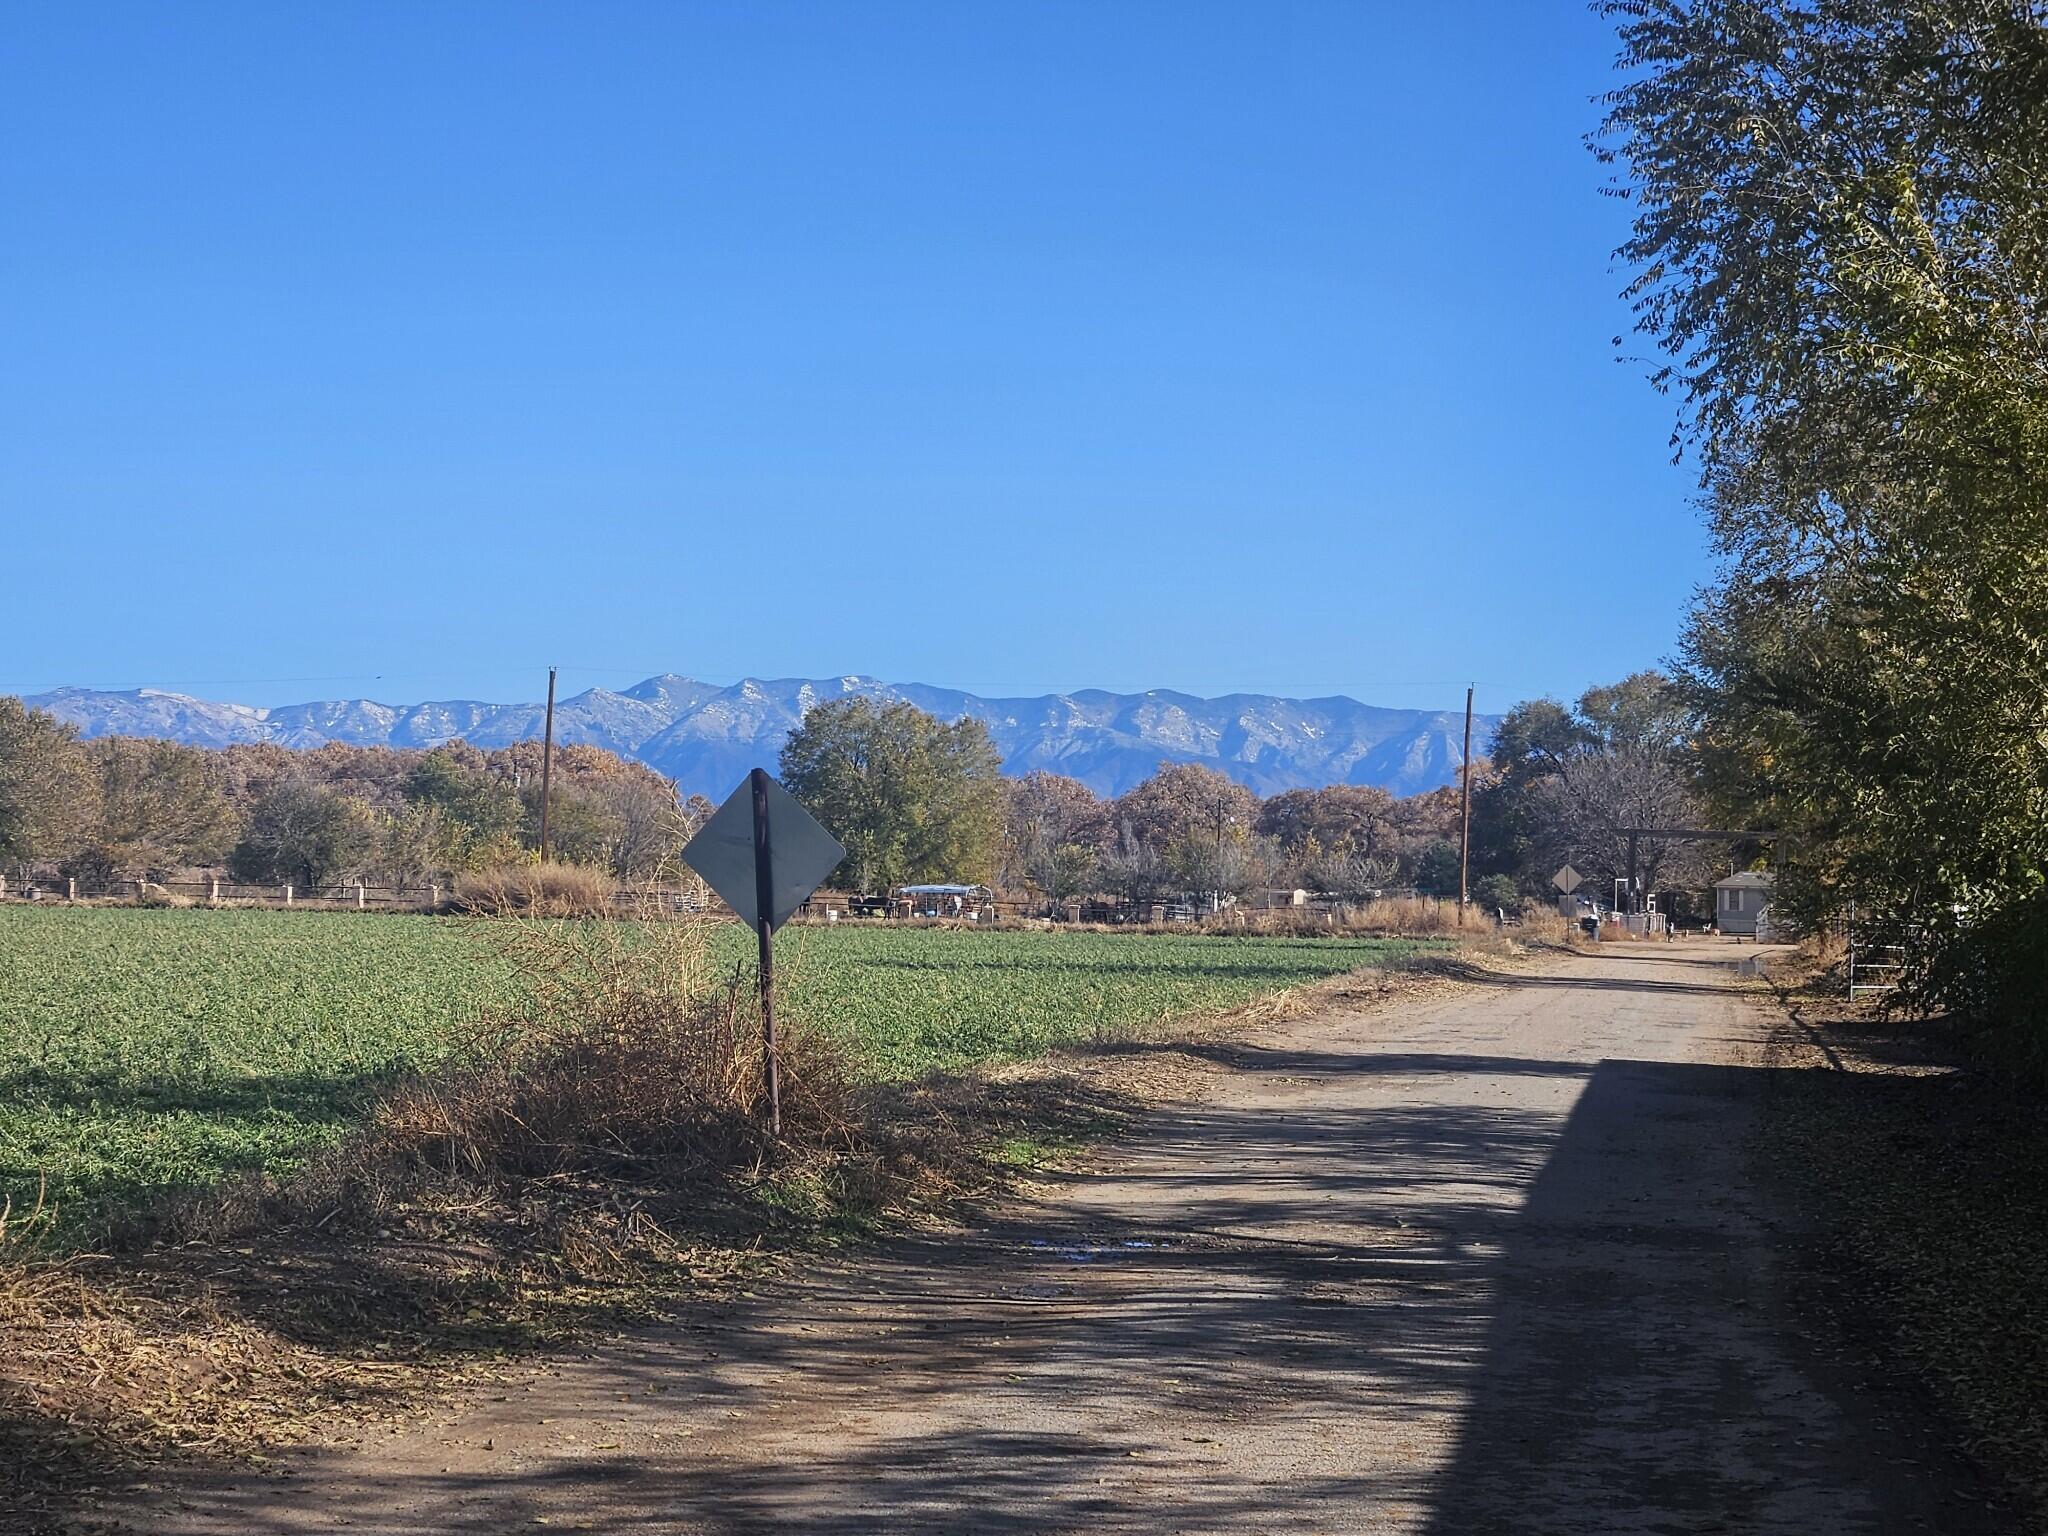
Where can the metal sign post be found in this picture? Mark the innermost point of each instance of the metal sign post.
(764, 854)
(764, 901)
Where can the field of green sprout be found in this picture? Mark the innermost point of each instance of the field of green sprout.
(143, 1051)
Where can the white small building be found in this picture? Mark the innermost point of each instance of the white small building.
(1739, 902)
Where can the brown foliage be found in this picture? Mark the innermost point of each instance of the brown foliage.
(1342, 819)
(537, 890)
(1183, 800)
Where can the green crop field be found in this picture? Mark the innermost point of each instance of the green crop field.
(142, 1051)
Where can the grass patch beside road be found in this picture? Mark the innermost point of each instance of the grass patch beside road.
(146, 1052)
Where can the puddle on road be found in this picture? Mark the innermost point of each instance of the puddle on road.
(1090, 1253)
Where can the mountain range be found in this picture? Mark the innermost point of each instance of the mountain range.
(705, 736)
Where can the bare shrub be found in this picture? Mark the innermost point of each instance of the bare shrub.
(1542, 923)
(536, 890)
(627, 1060)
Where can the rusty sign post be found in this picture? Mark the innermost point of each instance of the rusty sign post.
(764, 854)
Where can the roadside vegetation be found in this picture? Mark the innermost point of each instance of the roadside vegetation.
(1842, 239)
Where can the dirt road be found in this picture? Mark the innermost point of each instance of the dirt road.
(1491, 1263)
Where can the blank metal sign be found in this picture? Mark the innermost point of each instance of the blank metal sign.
(800, 853)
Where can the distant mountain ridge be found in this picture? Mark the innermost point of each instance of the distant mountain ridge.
(705, 736)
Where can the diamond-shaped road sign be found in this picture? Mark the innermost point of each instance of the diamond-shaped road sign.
(1566, 880)
(800, 853)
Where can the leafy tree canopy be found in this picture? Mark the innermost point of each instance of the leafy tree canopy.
(911, 798)
(1841, 237)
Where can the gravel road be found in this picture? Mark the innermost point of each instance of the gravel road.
(1496, 1261)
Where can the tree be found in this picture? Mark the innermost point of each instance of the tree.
(300, 834)
(650, 826)
(1416, 821)
(1047, 812)
(1436, 871)
(1133, 868)
(152, 806)
(1349, 876)
(1184, 800)
(1496, 891)
(1568, 783)
(477, 814)
(409, 845)
(1842, 245)
(581, 826)
(43, 784)
(1342, 819)
(1236, 863)
(1063, 871)
(911, 798)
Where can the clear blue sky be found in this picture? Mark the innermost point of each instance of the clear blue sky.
(399, 350)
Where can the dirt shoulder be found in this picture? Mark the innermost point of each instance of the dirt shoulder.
(1921, 1184)
(1491, 1259)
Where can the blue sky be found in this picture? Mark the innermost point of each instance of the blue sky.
(401, 350)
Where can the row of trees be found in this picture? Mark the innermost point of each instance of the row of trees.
(1842, 236)
(1565, 784)
(915, 799)
(119, 807)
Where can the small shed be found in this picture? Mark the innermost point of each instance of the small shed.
(1739, 903)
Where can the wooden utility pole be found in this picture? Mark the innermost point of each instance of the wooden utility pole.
(547, 765)
(1465, 817)
(764, 904)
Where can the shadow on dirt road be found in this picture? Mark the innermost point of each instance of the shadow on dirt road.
(1497, 1264)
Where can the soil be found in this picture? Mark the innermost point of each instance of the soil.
(1493, 1260)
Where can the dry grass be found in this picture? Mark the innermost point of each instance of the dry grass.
(605, 1149)
(537, 890)
(1397, 917)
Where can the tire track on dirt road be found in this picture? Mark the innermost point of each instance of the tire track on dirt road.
(1494, 1262)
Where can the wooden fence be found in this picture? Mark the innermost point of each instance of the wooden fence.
(823, 907)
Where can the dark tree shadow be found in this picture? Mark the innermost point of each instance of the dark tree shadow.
(1457, 1312)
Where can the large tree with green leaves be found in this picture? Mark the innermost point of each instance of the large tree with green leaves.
(301, 834)
(1841, 238)
(911, 797)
